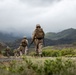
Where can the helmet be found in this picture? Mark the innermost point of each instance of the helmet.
(38, 26)
(7, 46)
(24, 37)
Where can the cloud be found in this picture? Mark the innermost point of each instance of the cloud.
(39, 3)
(21, 16)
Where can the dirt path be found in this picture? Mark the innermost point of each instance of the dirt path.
(6, 59)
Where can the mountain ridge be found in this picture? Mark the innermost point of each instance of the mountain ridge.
(68, 33)
(67, 36)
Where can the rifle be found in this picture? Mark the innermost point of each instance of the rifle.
(43, 42)
(31, 42)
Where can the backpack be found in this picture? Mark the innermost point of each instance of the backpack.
(39, 33)
(24, 42)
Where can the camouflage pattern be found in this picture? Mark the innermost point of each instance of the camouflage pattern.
(38, 46)
(7, 51)
(38, 42)
(16, 52)
(24, 42)
(23, 49)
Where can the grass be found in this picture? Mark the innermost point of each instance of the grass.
(50, 52)
(39, 66)
(53, 62)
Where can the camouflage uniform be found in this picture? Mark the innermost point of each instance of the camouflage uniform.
(38, 42)
(16, 52)
(38, 46)
(7, 51)
(23, 49)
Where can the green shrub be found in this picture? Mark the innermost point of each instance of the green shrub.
(52, 53)
(28, 66)
(56, 53)
(67, 51)
(32, 54)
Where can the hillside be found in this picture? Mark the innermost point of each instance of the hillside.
(6, 37)
(2, 46)
(16, 43)
(65, 34)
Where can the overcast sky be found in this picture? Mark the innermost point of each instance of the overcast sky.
(23, 15)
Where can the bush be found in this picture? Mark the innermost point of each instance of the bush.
(67, 51)
(55, 53)
(56, 66)
(52, 53)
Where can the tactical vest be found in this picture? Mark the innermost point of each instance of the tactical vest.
(39, 33)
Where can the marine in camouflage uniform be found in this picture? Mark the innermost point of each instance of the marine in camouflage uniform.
(23, 48)
(38, 41)
(7, 51)
(16, 52)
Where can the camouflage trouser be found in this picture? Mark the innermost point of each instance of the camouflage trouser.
(16, 54)
(23, 50)
(7, 53)
(38, 46)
